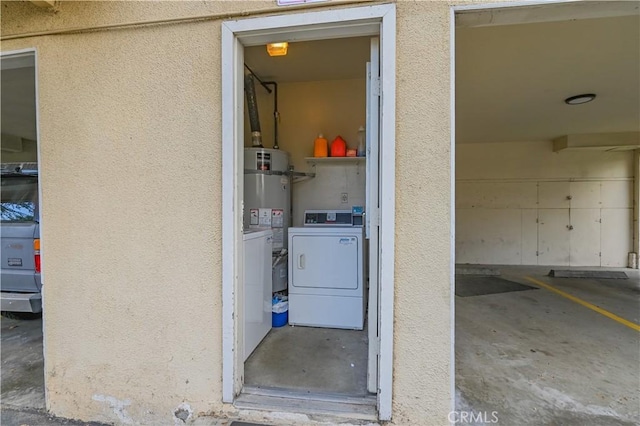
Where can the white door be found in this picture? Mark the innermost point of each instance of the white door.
(553, 237)
(372, 209)
(584, 237)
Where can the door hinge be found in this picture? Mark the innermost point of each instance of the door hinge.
(375, 86)
(378, 346)
(242, 216)
(375, 219)
(537, 253)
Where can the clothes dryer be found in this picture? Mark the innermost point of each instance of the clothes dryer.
(326, 275)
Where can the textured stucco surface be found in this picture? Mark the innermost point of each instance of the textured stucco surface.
(131, 183)
(131, 176)
(422, 357)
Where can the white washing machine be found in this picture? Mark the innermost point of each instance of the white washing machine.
(326, 271)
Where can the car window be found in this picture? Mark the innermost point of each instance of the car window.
(19, 195)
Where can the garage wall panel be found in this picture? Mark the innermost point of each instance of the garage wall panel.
(529, 236)
(616, 237)
(584, 195)
(585, 237)
(559, 189)
(497, 195)
(553, 195)
(616, 194)
(553, 237)
(489, 236)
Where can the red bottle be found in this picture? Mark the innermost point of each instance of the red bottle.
(338, 147)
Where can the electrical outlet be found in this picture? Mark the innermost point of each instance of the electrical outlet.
(344, 198)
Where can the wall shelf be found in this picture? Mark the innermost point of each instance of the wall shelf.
(335, 160)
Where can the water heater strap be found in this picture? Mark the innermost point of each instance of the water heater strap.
(265, 172)
(277, 173)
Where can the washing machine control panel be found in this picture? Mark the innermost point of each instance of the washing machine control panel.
(331, 218)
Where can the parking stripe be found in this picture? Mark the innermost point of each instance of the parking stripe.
(599, 310)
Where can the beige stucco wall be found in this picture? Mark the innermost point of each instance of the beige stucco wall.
(422, 355)
(131, 181)
(130, 149)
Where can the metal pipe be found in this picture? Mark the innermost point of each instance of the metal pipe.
(252, 106)
(262, 83)
(276, 114)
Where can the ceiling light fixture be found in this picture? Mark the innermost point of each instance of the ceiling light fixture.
(580, 99)
(277, 49)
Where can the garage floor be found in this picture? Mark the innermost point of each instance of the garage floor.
(310, 359)
(536, 357)
(22, 364)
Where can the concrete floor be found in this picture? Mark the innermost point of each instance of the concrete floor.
(310, 359)
(535, 357)
(22, 381)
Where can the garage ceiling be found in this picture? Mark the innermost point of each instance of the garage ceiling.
(19, 102)
(511, 80)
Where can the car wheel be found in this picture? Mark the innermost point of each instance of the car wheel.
(22, 315)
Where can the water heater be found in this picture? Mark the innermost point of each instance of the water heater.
(267, 201)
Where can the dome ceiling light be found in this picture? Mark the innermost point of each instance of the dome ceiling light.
(580, 99)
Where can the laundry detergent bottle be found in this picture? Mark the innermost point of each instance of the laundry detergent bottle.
(320, 147)
(338, 147)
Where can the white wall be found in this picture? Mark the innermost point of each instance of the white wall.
(513, 205)
(324, 191)
(332, 107)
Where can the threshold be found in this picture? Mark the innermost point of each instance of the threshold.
(324, 404)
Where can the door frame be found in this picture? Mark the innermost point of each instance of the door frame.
(378, 20)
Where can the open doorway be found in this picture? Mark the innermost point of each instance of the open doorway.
(21, 300)
(544, 211)
(328, 225)
(314, 94)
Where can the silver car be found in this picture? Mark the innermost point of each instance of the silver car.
(20, 230)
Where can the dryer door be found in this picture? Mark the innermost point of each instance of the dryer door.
(325, 262)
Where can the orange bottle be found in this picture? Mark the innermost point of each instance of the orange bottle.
(320, 147)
